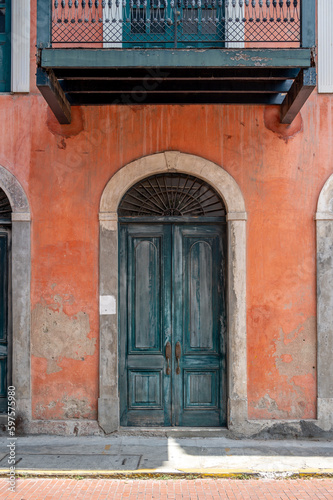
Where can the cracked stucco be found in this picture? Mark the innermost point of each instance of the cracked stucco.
(294, 353)
(57, 335)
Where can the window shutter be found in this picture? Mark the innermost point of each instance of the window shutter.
(20, 45)
(325, 46)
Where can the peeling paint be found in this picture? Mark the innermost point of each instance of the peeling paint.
(287, 374)
(55, 335)
(70, 407)
(269, 404)
(295, 359)
(286, 358)
(75, 408)
(294, 353)
(258, 61)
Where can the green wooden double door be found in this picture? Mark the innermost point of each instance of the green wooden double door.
(158, 23)
(172, 361)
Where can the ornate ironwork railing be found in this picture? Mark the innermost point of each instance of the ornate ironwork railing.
(176, 23)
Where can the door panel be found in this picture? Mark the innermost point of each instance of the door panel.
(200, 303)
(172, 290)
(146, 303)
(200, 389)
(145, 389)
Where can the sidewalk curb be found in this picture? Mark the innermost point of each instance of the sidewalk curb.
(179, 474)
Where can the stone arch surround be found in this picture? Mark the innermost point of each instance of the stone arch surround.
(227, 188)
(20, 293)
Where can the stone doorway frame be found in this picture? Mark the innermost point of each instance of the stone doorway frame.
(228, 189)
(20, 294)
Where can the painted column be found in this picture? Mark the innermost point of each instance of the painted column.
(108, 401)
(21, 313)
(325, 318)
(237, 355)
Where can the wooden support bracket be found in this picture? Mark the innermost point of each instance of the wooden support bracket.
(299, 92)
(54, 95)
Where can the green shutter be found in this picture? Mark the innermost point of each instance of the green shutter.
(5, 45)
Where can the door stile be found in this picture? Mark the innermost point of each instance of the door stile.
(122, 343)
(177, 303)
(167, 333)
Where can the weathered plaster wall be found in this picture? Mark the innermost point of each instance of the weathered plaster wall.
(64, 169)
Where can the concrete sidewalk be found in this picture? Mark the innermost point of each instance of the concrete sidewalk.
(137, 454)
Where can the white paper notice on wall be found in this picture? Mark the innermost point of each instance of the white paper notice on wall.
(107, 304)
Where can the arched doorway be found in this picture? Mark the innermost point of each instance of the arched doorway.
(5, 316)
(172, 303)
(110, 276)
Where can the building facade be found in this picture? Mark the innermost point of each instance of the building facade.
(166, 217)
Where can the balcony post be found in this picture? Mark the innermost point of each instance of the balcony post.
(175, 15)
(308, 23)
(44, 23)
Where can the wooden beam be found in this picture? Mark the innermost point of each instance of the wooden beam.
(180, 58)
(185, 74)
(298, 94)
(123, 98)
(53, 94)
(164, 86)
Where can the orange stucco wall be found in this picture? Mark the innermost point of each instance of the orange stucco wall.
(64, 170)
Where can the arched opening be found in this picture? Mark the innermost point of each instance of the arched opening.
(171, 195)
(227, 190)
(172, 303)
(5, 293)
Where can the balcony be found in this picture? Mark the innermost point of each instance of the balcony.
(93, 52)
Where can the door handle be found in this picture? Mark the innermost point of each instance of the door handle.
(178, 352)
(168, 357)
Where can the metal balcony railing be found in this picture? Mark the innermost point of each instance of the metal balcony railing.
(177, 23)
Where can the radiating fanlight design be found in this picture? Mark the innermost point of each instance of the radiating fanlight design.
(5, 208)
(171, 195)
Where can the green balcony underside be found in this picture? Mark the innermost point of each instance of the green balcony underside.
(180, 58)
